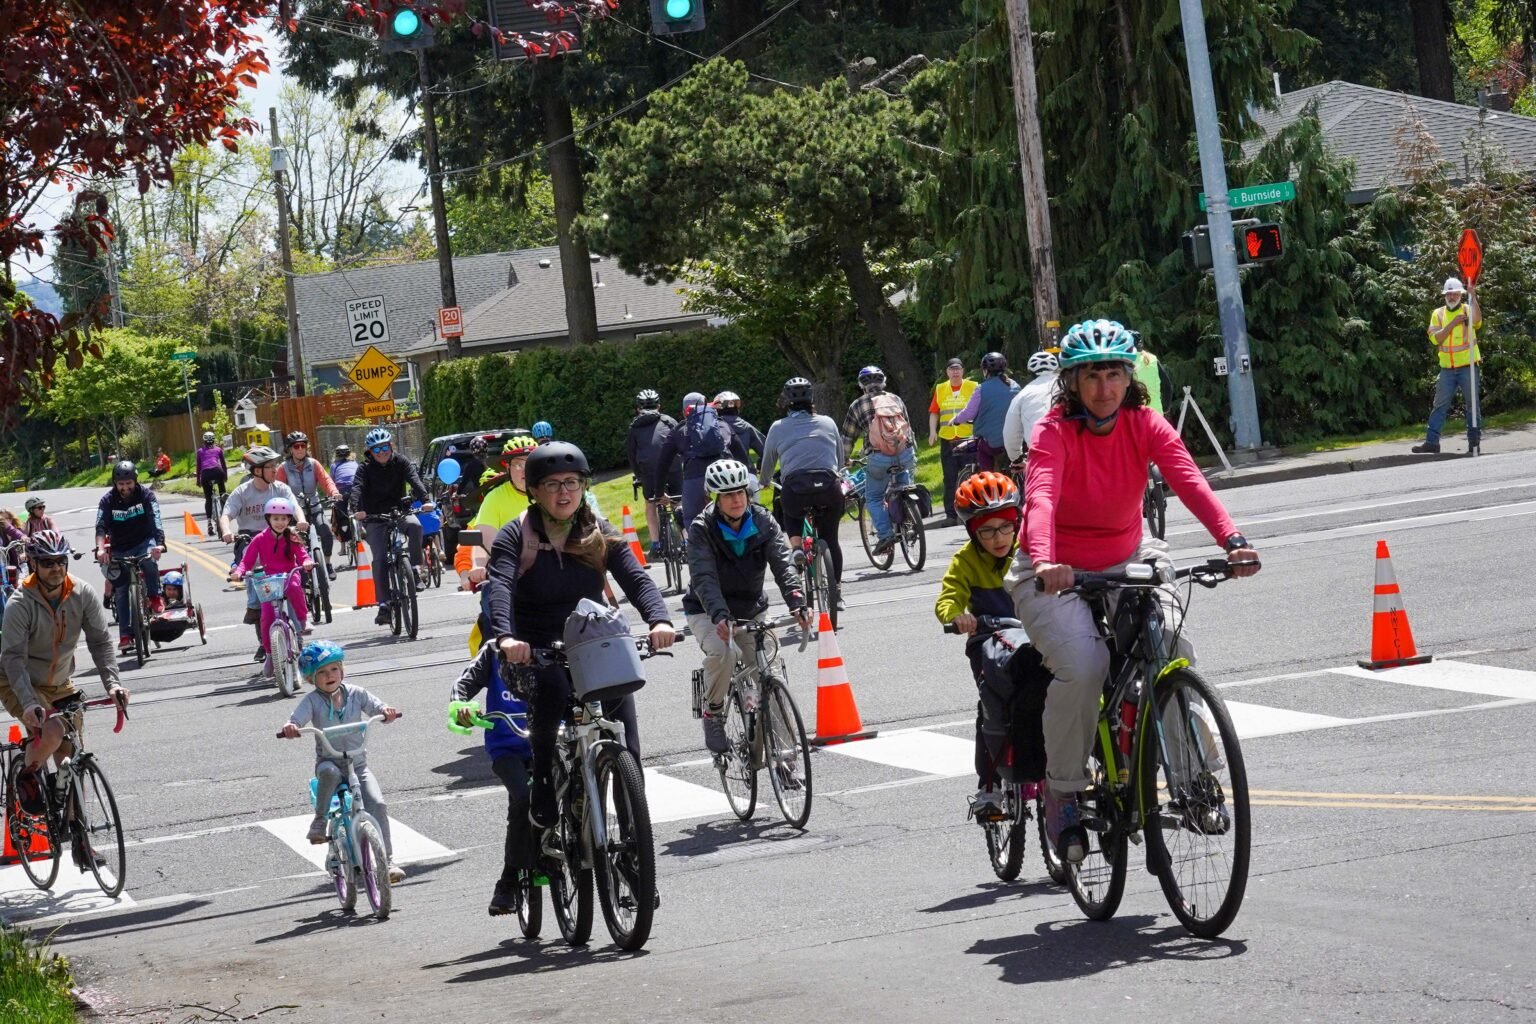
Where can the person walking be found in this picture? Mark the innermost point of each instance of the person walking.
(1453, 329)
(949, 397)
(987, 409)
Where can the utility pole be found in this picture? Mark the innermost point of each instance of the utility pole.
(279, 175)
(439, 211)
(570, 194)
(1037, 209)
(1213, 174)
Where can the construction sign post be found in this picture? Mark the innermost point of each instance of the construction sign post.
(374, 372)
(1469, 254)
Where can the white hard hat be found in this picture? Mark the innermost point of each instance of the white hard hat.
(1452, 284)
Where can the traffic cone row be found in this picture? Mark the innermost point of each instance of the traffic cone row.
(37, 845)
(189, 526)
(837, 716)
(1391, 639)
(366, 598)
(632, 538)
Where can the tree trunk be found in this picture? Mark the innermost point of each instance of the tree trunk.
(1437, 78)
(880, 317)
(565, 178)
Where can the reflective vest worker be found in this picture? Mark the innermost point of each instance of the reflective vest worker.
(949, 397)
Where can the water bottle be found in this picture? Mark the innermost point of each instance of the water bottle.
(698, 693)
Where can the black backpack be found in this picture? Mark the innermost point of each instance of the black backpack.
(704, 435)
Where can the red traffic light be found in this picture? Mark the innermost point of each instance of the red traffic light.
(1261, 242)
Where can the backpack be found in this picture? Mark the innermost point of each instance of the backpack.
(889, 431)
(703, 435)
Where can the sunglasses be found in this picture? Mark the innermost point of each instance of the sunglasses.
(380, 449)
(49, 563)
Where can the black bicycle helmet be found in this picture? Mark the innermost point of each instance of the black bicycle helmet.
(994, 363)
(798, 389)
(297, 437)
(343, 449)
(208, 437)
(125, 470)
(555, 457)
(477, 446)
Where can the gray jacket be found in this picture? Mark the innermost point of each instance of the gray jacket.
(357, 704)
(800, 442)
(723, 584)
(37, 643)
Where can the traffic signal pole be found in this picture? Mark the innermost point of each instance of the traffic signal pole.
(1213, 173)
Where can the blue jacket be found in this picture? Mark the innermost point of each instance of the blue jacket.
(130, 521)
(996, 395)
(483, 673)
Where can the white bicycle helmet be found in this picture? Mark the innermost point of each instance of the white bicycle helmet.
(727, 475)
(1042, 362)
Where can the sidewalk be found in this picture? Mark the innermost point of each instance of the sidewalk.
(1375, 455)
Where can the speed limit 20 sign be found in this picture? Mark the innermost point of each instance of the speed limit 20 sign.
(367, 321)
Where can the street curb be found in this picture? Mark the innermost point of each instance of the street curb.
(1250, 476)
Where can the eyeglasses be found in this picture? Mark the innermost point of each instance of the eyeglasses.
(49, 563)
(570, 486)
(379, 449)
(985, 533)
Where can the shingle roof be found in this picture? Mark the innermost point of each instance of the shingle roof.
(412, 295)
(533, 309)
(1361, 123)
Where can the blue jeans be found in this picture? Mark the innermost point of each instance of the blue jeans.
(151, 574)
(1446, 386)
(877, 470)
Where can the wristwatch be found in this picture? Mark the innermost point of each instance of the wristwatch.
(1235, 542)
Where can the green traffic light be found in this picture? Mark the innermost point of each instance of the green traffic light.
(680, 9)
(405, 23)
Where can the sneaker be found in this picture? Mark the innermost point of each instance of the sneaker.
(655, 549)
(307, 630)
(714, 732)
(396, 873)
(1063, 827)
(842, 605)
(798, 558)
(260, 655)
(330, 572)
(885, 545)
(542, 809)
(316, 835)
(156, 605)
(124, 644)
(950, 521)
(1427, 448)
(29, 792)
(106, 596)
(987, 805)
(82, 853)
(503, 898)
(382, 618)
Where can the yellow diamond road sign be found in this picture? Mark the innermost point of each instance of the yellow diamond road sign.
(375, 372)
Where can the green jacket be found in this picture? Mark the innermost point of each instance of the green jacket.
(974, 583)
(37, 643)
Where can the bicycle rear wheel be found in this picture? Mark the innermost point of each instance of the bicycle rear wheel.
(138, 625)
(1195, 789)
(323, 589)
(41, 869)
(1098, 882)
(342, 877)
(787, 755)
(406, 599)
(827, 590)
(914, 537)
(1154, 506)
(1005, 839)
(285, 659)
(97, 824)
(626, 867)
(738, 772)
(530, 905)
(869, 538)
(570, 884)
(373, 866)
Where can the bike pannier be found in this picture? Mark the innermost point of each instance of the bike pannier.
(601, 654)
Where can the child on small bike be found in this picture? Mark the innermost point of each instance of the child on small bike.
(988, 504)
(278, 549)
(331, 703)
(512, 761)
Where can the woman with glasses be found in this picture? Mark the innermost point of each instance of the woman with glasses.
(379, 489)
(544, 562)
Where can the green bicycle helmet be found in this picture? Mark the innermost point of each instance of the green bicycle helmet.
(1097, 341)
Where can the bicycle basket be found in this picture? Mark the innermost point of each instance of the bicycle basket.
(431, 522)
(269, 589)
(601, 654)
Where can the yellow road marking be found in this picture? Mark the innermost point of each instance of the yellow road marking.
(218, 569)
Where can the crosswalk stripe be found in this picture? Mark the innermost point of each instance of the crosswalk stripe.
(1458, 676)
(1254, 720)
(73, 892)
(673, 799)
(409, 845)
(931, 753)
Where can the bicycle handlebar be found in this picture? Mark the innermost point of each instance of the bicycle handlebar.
(1146, 574)
(987, 624)
(324, 735)
(100, 702)
(482, 719)
(770, 625)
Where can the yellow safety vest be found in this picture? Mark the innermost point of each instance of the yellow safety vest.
(950, 402)
(1147, 373)
(1460, 346)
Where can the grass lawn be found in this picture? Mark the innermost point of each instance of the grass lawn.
(1415, 431)
(34, 984)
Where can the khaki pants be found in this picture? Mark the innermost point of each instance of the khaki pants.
(719, 659)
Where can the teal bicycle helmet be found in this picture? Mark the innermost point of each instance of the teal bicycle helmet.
(318, 654)
(1097, 341)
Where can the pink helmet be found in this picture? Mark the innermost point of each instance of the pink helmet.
(278, 507)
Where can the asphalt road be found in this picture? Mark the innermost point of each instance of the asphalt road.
(1392, 859)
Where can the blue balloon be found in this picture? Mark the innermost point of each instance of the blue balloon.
(449, 471)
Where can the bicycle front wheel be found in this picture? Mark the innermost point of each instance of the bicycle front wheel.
(373, 866)
(530, 905)
(284, 658)
(914, 538)
(787, 754)
(98, 826)
(405, 600)
(139, 626)
(1098, 882)
(737, 767)
(626, 868)
(323, 589)
(827, 590)
(340, 864)
(1195, 795)
(1005, 839)
(41, 868)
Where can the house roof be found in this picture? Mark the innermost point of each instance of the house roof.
(1362, 124)
(533, 308)
(412, 295)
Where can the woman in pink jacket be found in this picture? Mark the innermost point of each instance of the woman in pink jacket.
(278, 549)
(1087, 472)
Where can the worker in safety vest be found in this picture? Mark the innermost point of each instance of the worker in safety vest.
(949, 397)
(1151, 373)
(1453, 330)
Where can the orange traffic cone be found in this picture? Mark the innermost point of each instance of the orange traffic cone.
(632, 537)
(37, 845)
(189, 526)
(837, 716)
(365, 595)
(1391, 639)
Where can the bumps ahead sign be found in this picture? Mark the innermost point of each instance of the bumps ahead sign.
(374, 372)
